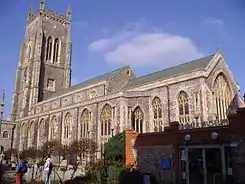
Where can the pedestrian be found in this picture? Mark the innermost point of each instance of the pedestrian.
(21, 170)
(48, 166)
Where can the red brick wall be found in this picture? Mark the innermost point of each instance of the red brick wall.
(130, 135)
(172, 135)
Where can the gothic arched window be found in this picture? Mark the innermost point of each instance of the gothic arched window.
(41, 129)
(31, 133)
(157, 114)
(137, 121)
(67, 125)
(183, 103)
(223, 96)
(56, 50)
(84, 123)
(106, 120)
(49, 48)
(31, 130)
(52, 125)
(5, 135)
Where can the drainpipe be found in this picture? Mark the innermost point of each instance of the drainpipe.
(168, 96)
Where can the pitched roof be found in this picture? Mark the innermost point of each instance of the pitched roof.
(92, 81)
(171, 72)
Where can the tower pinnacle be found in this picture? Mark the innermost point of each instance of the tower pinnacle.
(42, 4)
(68, 13)
(29, 13)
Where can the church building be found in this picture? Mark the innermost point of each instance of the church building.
(45, 106)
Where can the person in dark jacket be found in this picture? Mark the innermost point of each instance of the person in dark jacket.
(22, 169)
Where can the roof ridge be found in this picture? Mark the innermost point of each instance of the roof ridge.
(99, 75)
(183, 64)
(173, 71)
(119, 70)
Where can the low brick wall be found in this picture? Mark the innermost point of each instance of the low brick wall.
(150, 158)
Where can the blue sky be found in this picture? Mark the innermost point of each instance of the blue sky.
(148, 35)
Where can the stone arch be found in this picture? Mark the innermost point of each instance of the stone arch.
(52, 127)
(56, 50)
(93, 94)
(41, 130)
(67, 125)
(106, 120)
(85, 121)
(31, 133)
(5, 134)
(103, 105)
(222, 95)
(183, 107)
(138, 120)
(49, 48)
(157, 114)
(137, 105)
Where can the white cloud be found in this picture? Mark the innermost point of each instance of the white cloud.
(213, 21)
(146, 48)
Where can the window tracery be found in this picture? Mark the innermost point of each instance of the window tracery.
(41, 130)
(67, 124)
(223, 96)
(84, 123)
(106, 120)
(137, 121)
(183, 103)
(157, 115)
(52, 125)
(31, 130)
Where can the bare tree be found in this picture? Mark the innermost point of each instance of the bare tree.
(81, 148)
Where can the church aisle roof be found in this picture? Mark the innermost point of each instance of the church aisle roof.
(184, 68)
(163, 74)
(92, 81)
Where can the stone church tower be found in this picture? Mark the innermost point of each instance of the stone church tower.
(45, 59)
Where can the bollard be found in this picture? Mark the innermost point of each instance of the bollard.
(18, 178)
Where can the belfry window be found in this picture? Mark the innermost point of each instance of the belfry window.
(184, 112)
(157, 114)
(56, 50)
(222, 95)
(137, 121)
(49, 48)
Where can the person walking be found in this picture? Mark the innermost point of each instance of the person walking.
(21, 170)
(48, 166)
